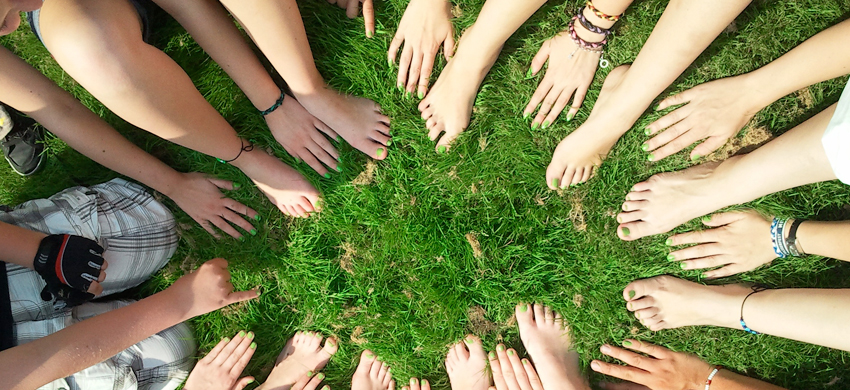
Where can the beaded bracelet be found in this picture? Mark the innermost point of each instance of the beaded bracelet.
(243, 148)
(275, 106)
(711, 376)
(589, 25)
(747, 329)
(601, 14)
(777, 231)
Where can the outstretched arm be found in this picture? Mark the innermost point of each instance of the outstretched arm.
(91, 341)
(27, 90)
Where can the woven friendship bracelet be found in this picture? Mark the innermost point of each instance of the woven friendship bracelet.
(275, 106)
(589, 25)
(601, 14)
(244, 148)
(589, 46)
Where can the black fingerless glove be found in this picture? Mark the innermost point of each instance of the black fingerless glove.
(68, 264)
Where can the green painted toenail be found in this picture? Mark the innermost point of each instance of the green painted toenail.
(570, 116)
(492, 355)
(670, 257)
(253, 346)
(241, 333)
(338, 168)
(523, 308)
(327, 175)
(644, 147)
(625, 207)
(626, 231)
(669, 242)
(236, 186)
(389, 142)
(695, 157)
(421, 95)
(555, 183)
(535, 126)
(400, 87)
(380, 152)
(647, 131)
(257, 217)
(546, 124)
(441, 149)
(253, 232)
(684, 265)
(500, 347)
(706, 218)
(650, 157)
(632, 294)
(627, 343)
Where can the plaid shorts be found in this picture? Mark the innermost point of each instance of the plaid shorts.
(138, 236)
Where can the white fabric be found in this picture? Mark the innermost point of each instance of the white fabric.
(836, 138)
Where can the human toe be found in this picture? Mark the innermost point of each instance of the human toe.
(640, 288)
(524, 315)
(634, 230)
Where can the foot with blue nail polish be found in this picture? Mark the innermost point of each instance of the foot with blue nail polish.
(579, 154)
(546, 337)
(372, 373)
(303, 354)
(466, 364)
(670, 199)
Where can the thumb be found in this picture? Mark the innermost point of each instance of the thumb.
(240, 384)
(722, 219)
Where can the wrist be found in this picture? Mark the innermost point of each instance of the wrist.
(761, 89)
(170, 183)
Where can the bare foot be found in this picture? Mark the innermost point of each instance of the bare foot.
(303, 353)
(665, 302)
(303, 136)
(416, 384)
(577, 156)
(670, 199)
(448, 106)
(466, 364)
(548, 343)
(357, 120)
(284, 186)
(372, 374)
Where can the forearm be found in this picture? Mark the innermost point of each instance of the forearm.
(826, 239)
(728, 380)
(19, 245)
(88, 342)
(819, 58)
(496, 22)
(210, 25)
(815, 316)
(608, 7)
(27, 90)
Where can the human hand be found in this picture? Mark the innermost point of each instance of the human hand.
(351, 10)
(663, 369)
(715, 111)
(739, 241)
(207, 289)
(569, 74)
(71, 266)
(200, 196)
(301, 136)
(221, 368)
(511, 373)
(425, 26)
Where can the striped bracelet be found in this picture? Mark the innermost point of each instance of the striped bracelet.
(711, 376)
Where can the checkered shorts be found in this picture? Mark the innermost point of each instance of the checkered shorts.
(138, 236)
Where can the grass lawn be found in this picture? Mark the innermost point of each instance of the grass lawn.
(414, 252)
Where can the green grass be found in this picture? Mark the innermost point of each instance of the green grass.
(410, 280)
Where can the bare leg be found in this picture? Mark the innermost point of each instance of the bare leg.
(673, 45)
(99, 43)
(667, 200)
(815, 316)
(449, 103)
(278, 31)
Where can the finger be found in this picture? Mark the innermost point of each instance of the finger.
(578, 100)
(369, 18)
(706, 262)
(449, 44)
(533, 378)
(216, 350)
(540, 58)
(707, 147)
(323, 157)
(519, 371)
(729, 270)
(241, 296)
(326, 146)
(622, 372)
(647, 348)
(562, 101)
(313, 162)
(223, 184)
(546, 106)
(404, 66)
(208, 227)
(394, 46)
(696, 252)
(628, 357)
(220, 223)
(331, 134)
(351, 9)
(241, 209)
(425, 72)
(237, 220)
(243, 382)
(229, 348)
(669, 120)
(694, 237)
(675, 100)
(539, 94)
(415, 70)
(496, 368)
(241, 350)
(677, 145)
(95, 288)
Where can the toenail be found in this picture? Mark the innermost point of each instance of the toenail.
(523, 308)
(236, 186)
(253, 232)
(241, 333)
(627, 343)
(510, 352)
(647, 131)
(380, 152)
(389, 142)
(632, 294)
(625, 207)
(626, 231)
(327, 175)
(570, 116)
(650, 157)
(706, 218)
(620, 218)
(670, 257)
(500, 347)
(441, 149)
(492, 355)
(695, 157)
(555, 183)
(669, 242)
(529, 74)
(253, 346)
(644, 147)
(257, 217)
(242, 238)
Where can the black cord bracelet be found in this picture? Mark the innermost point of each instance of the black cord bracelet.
(244, 148)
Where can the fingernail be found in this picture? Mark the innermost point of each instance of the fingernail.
(650, 157)
(338, 139)
(226, 339)
(338, 168)
(525, 115)
(626, 231)
(441, 149)
(253, 346)
(684, 265)
(253, 232)
(492, 355)
(570, 116)
(535, 126)
(529, 74)
(257, 217)
(546, 124)
(407, 95)
(242, 238)
(309, 374)
(326, 387)
(644, 147)
(605, 349)
(368, 34)
(669, 242)
(389, 62)
(236, 186)
(500, 347)
(594, 365)
(421, 95)
(241, 333)
(632, 294)
(706, 218)
(327, 175)
(695, 157)
(250, 381)
(670, 257)
(400, 87)
(647, 131)
(250, 335)
(627, 343)
(510, 352)
(523, 308)
(555, 183)
(320, 376)
(423, 382)
(524, 362)
(380, 152)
